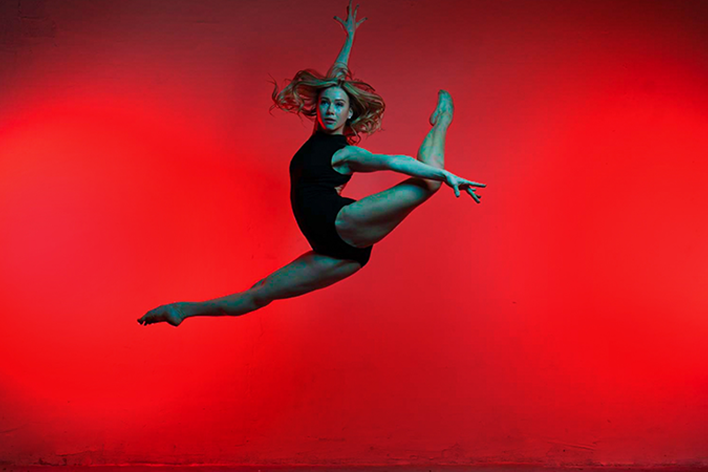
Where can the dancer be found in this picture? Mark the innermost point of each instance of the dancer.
(340, 230)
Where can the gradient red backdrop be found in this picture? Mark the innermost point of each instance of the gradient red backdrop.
(561, 322)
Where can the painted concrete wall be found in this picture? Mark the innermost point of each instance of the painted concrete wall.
(563, 321)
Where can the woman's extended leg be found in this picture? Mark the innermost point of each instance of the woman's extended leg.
(432, 151)
(370, 219)
(309, 272)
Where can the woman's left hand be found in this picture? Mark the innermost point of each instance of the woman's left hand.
(350, 25)
(457, 183)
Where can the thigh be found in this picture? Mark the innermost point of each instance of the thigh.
(369, 220)
(317, 220)
(311, 271)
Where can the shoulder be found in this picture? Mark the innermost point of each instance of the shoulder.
(344, 156)
(352, 152)
(348, 154)
(347, 159)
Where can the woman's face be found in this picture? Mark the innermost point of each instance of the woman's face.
(333, 110)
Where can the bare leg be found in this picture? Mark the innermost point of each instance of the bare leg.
(432, 151)
(309, 272)
(372, 218)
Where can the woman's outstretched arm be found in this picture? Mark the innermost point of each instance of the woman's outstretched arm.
(350, 25)
(360, 160)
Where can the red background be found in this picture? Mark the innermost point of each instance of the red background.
(563, 321)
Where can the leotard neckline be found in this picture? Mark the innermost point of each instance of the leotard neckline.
(322, 134)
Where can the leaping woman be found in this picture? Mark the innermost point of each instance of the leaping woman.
(340, 230)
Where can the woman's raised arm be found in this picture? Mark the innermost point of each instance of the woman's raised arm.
(350, 25)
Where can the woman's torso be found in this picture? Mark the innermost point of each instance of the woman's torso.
(311, 171)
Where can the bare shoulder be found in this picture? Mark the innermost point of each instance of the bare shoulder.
(339, 161)
(348, 152)
(353, 152)
(356, 159)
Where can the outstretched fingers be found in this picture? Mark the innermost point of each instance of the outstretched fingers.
(468, 186)
(350, 24)
(474, 195)
(356, 10)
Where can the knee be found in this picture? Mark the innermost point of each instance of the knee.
(259, 298)
(429, 185)
(258, 295)
(434, 185)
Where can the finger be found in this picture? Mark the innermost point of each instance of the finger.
(338, 19)
(356, 10)
(475, 196)
(476, 184)
(360, 22)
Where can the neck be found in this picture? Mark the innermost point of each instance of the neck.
(331, 133)
(336, 132)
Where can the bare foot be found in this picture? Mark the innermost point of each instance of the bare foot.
(172, 313)
(444, 108)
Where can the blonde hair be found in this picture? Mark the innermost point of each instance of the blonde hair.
(301, 94)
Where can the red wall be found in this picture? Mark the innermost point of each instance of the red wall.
(561, 322)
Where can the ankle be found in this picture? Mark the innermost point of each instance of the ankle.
(189, 309)
(443, 120)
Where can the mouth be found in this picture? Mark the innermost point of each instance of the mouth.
(329, 120)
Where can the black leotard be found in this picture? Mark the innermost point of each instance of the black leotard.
(314, 200)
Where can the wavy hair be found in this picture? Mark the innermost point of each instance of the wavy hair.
(301, 94)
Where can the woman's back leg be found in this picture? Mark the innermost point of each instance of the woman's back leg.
(309, 272)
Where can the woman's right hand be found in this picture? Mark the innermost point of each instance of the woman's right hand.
(350, 24)
(457, 183)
